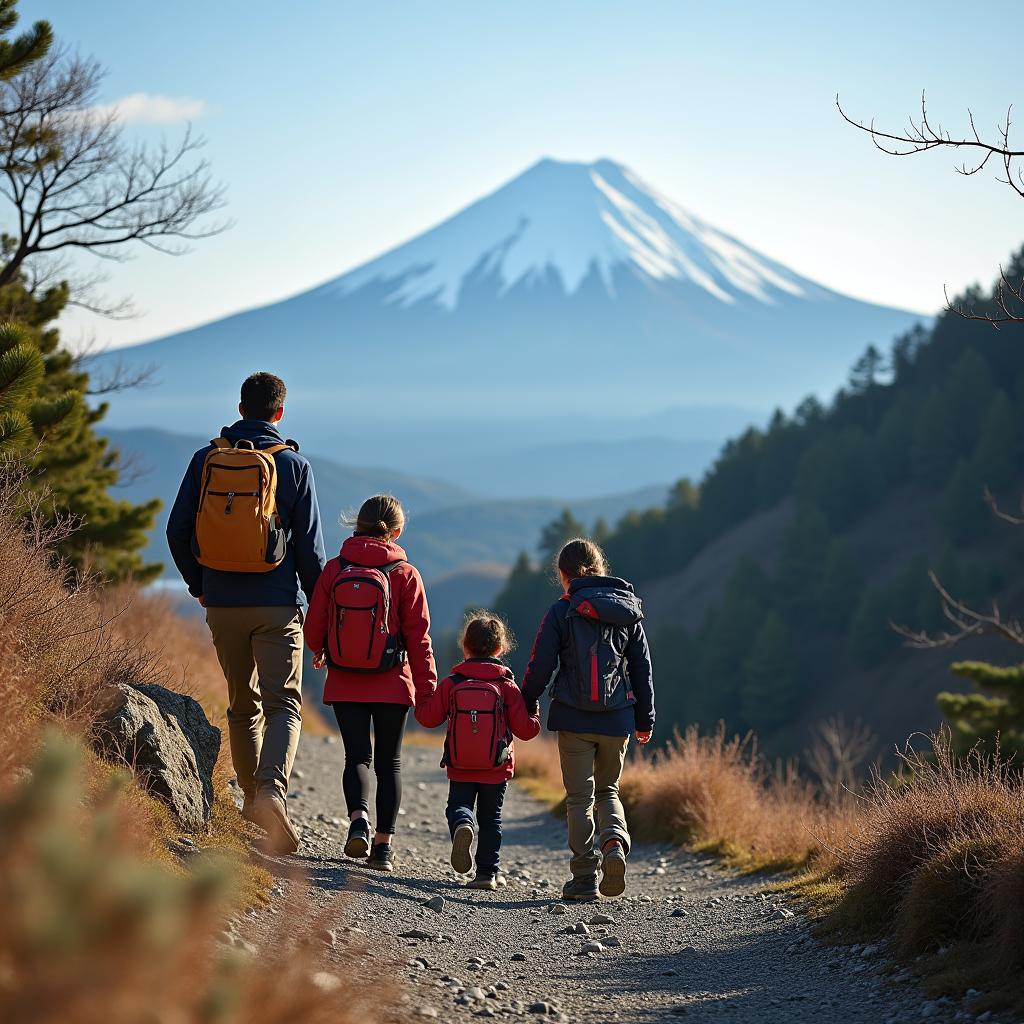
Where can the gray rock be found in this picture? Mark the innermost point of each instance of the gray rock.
(592, 947)
(612, 941)
(782, 914)
(426, 1011)
(168, 742)
(518, 957)
(416, 933)
(581, 929)
(435, 903)
(328, 936)
(477, 993)
(678, 912)
(539, 1007)
(602, 919)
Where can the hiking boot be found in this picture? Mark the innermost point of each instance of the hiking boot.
(270, 812)
(581, 890)
(247, 808)
(462, 839)
(484, 880)
(613, 870)
(381, 858)
(357, 846)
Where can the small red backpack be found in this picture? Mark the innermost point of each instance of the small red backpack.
(359, 637)
(478, 734)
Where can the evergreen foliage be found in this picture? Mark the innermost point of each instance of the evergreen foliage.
(996, 713)
(935, 420)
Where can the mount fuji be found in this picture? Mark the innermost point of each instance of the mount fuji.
(576, 303)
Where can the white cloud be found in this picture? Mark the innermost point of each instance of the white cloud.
(147, 108)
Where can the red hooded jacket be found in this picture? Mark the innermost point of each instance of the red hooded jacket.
(432, 711)
(412, 681)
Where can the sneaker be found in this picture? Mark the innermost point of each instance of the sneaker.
(270, 812)
(484, 880)
(581, 890)
(462, 839)
(381, 857)
(357, 846)
(613, 870)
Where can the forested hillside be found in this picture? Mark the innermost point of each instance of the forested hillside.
(770, 586)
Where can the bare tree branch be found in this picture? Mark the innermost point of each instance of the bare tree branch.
(922, 136)
(966, 622)
(75, 184)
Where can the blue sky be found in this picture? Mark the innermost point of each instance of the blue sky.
(342, 129)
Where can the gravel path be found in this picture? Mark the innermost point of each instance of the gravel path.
(686, 940)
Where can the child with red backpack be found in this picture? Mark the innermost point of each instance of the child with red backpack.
(484, 710)
(368, 622)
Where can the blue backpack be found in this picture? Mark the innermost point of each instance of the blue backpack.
(600, 623)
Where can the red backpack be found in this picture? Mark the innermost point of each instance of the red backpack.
(478, 734)
(359, 638)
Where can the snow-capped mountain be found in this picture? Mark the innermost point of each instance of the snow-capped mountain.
(573, 220)
(573, 304)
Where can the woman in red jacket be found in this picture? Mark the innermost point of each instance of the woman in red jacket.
(368, 622)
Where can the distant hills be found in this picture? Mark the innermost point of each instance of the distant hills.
(770, 589)
(520, 346)
(451, 531)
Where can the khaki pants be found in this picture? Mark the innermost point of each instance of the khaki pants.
(260, 651)
(591, 766)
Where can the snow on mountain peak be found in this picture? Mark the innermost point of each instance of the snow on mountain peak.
(571, 219)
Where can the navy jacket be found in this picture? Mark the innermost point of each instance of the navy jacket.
(296, 504)
(545, 663)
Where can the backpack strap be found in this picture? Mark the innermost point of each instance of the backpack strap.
(220, 442)
(391, 565)
(273, 449)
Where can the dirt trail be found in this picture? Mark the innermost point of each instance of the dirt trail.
(685, 941)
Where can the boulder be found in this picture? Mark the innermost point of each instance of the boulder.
(168, 742)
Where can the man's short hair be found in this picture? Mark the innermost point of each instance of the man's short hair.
(262, 395)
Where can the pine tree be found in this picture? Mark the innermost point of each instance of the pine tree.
(841, 582)
(557, 532)
(74, 466)
(770, 681)
(996, 712)
(964, 514)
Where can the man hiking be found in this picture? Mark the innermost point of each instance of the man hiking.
(244, 533)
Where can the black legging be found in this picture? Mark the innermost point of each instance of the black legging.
(354, 719)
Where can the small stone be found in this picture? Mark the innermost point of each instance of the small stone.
(782, 914)
(477, 993)
(518, 957)
(659, 871)
(678, 912)
(581, 929)
(476, 961)
(426, 1011)
(539, 1007)
(612, 941)
(602, 919)
(328, 936)
(415, 933)
(556, 908)
(435, 903)
(326, 981)
(592, 947)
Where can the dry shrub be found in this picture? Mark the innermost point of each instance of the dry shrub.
(718, 795)
(94, 933)
(937, 858)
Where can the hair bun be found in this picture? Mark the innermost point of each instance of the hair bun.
(382, 526)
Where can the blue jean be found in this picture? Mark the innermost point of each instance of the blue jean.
(486, 822)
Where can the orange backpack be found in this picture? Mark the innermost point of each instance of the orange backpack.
(237, 525)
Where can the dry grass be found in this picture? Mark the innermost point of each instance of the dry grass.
(936, 863)
(708, 793)
(101, 921)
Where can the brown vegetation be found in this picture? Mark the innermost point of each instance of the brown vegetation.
(102, 921)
